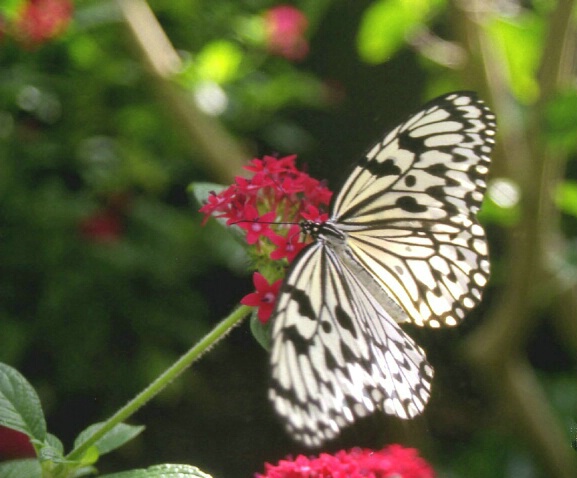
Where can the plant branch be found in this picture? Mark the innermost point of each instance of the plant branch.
(497, 347)
(211, 339)
(223, 156)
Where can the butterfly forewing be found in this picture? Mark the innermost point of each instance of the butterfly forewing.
(402, 244)
(409, 208)
(432, 167)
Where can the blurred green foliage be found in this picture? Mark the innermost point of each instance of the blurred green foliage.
(106, 275)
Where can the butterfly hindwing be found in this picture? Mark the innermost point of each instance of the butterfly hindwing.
(337, 354)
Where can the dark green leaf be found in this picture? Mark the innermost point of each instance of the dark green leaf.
(115, 438)
(51, 451)
(561, 120)
(29, 468)
(20, 407)
(260, 331)
(162, 471)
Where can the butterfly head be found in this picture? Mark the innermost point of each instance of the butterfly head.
(310, 228)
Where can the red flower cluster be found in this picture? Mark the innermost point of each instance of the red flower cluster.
(268, 207)
(393, 461)
(39, 21)
(285, 29)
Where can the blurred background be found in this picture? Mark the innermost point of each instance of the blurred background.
(109, 110)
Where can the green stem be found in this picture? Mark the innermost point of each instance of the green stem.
(219, 332)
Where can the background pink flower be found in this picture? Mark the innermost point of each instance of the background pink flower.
(285, 28)
(41, 20)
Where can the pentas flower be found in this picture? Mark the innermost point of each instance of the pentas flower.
(393, 461)
(287, 247)
(41, 20)
(264, 297)
(268, 206)
(285, 30)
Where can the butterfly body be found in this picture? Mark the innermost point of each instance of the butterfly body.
(402, 245)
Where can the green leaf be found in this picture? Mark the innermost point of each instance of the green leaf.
(520, 39)
(201, 191)
(54, 443)
(20, 407)
(386, 24)
(566, 197)
(260, 331)
(162, 471)
(28, 468)
(561, 120)
(219, 61)
(51, 450)
(115, 438)
(9, 9)
(84, 471)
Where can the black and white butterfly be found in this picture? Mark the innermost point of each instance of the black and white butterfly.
(402, 244)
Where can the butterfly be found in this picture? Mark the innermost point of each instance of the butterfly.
(402, 245)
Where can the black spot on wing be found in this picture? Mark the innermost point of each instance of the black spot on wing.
(301, 345)
(348, 355)
(380, 169)
(330, 359)
(410, 204)
(303, 301)
(345, 321)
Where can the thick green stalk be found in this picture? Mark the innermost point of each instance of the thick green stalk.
(219, 332)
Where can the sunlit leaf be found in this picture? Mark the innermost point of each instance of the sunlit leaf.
(218, 61)
(566, 197)
(520, 39)
(10, 8)
(387, 23)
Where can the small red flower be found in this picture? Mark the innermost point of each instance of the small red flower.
(14, 445)
(41, 20)
(287, 246)
(264, 298)
(270, 165)
(312, 213)
(285, 28)
(256, 226)
(392, 461)
(217, 204)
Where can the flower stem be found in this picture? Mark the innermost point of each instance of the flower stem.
(216, 334)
